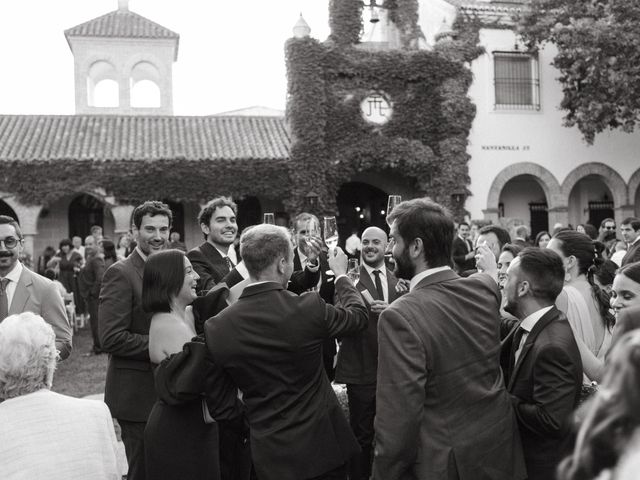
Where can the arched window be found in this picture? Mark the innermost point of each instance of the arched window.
(145, 92)
(102, 87)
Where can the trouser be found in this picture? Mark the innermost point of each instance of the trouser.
(338, 473)
(362, 411)
(92, 304)
(133, 439)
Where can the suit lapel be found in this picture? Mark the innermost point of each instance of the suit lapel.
(137, 262)
(297, 264)
(365, 283)
(546, 319)
(392, 281)
(22, 292)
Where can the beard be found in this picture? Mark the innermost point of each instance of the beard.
(404, 267)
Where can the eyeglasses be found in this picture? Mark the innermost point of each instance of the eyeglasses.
(610, 228)
(10, 242)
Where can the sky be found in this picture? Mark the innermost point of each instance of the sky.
(231, 52)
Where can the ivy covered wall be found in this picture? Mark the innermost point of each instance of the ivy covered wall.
(426, 137)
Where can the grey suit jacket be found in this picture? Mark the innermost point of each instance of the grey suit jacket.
(442, 409)
(37, 294)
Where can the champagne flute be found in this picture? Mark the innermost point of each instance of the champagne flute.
(353, 270)
(331, 233)
(269, 219)
(393, 202)
(312, 229)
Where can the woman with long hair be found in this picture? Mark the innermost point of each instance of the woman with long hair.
(583, 302)
(180, 441)
(625, 300)
(611, 419)
(108, 252)
(542, 239)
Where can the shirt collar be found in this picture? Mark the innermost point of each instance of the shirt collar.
(636, 240)
(370, 269)
(422, 275)
(529, 322)
(231, 253)
(14, 274)
(302, 257)
(142, 255)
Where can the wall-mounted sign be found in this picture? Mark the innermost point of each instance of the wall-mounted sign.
(376, 108)
(512, 148)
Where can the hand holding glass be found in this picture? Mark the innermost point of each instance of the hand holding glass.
(331, 233)
(393, 202)
(353, 270)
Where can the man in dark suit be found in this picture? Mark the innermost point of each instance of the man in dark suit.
(544, 374)
(310, 258)
(270, 343)
(124, 333)
(358, 356)
(216, 257)
(463, 252)
(22, 290)
(630, 230)
(442, 410)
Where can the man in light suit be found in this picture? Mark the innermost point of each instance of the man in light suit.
(442, 410)
(270, 343)
(124, 333)
(358, 356)
(544, 373)
(216, 257)
(22, 290)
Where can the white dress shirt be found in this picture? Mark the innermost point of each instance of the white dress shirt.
(527, 325)
(13, 276)
(422, 275)
(383, 278)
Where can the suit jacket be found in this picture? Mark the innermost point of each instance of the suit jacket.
(358, 354)
(443, 411)
(124, 333)
(209, 264)
(37, 294)
(270, 343)
(632, 255)
(459, 250)
(545, 387)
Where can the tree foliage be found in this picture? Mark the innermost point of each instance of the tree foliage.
(598, 57)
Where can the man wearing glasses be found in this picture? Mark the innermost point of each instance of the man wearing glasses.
(22, 290)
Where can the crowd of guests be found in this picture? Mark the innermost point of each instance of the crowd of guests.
(467, 353)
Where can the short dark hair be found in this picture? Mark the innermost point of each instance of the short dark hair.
(605, 221)
(502, 234)
(463, 224)
(207, 212)
(109, 249)
(95, 228)
(544, 270)
(633, 221)
(67, 242)
(7, 220)
(512, 248)
(50, 273)
(590, 230)
(162, 280)
(631, 271)
(261, 245)
(522, 231)
(152, 208)
(425, 219)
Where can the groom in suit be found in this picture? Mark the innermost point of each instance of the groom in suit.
(442, 410)
(22, 290)
(358, 356)
(544, 375)
(216, 257)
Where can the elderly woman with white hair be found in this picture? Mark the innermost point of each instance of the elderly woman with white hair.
(44, 434)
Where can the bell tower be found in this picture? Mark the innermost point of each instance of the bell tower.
(123, 64)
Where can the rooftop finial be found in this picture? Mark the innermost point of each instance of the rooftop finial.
(123, 5)
(301, 28)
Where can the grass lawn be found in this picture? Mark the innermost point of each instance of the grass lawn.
(81, 374)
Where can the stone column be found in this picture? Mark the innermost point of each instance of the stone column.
(122, 218)
(622, 212)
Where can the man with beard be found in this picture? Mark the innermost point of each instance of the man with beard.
(358, 356)
(124, 333)
(442, 410)
(544, 372)
(216, 257)
(22, 290)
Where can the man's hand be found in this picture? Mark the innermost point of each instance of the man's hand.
(470, 255)
(314, 247)
(486, 261)
(337, 261)
(377, 306)
(402, 286)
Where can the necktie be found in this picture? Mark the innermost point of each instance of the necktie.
(379, 285)
(469, 246)
(515, 345)
(230, 264)
(4, 300)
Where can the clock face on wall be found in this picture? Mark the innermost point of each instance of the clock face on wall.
(376, 108)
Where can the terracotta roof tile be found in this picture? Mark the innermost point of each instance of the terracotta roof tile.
(121, 23)
(118, 137)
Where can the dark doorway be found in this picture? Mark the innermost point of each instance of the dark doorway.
(539, 217)
(598, 211)
(360, 205)
(85, 211)
(177, 225)
(249, 212)
(5, 209)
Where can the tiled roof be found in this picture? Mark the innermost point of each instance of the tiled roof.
(118, 137)
(121, 24)
(494, 7)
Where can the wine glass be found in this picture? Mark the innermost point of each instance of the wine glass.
(353, 270)
(269, 219)
(331, 232)
(312, 229)
(393, 202)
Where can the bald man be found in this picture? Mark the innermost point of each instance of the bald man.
(358, 355)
